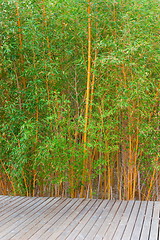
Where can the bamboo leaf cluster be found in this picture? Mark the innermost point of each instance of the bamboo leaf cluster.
(79, 98)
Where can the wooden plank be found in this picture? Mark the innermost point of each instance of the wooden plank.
(85, 219)
(16, 222)
(33, 218)
(155, 231)
(139, 222)
(8, 203)
(131, 222)
(10, 196)
(77, 219)
(147, 222)
(71, 218)
(11, 211)
(100, 221)
(89, 225)
(4, 202)
(45, 224)
(28, 218)
(115, 222)
(100, 234)
(10, 224)
(123, 223)
(3, 197)
(61, 221)
(13, 203)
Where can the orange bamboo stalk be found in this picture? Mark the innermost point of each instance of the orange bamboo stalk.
(34, 182)
(19, 27)
(119, 176)
(3, 187)
(151, 185)
(109, 181)
(49, 51)
(125, 160)
(124, 75)
(85, 162)
(135, 172)
(130, 166)
(25, 183)
(152, 180)
(20, 41)
(10, 180)
(24, 178)
(88, 74)
(71, 171)
(45, 24)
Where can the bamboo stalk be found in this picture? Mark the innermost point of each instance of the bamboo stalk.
(45, 25)
(3, 187)
(25, 183)
(37, 120)
(135, 172)
(151, 185)
(9, 178)
(152, 181)
(18, 87)
(130, 169)
(105, 182)
(119, 176)
(49, 51)
(85, 162)
(20, 37)
(90, 116)
(71, 170)
(109, 180)
(24, 178)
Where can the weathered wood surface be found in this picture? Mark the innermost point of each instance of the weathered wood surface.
(23, 218)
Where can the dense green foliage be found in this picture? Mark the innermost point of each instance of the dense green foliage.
(43, 98)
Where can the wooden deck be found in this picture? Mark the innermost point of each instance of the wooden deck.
(23, 218)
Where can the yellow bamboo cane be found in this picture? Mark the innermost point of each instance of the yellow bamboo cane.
(85, 162)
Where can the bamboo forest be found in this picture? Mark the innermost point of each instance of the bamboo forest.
(79, 99)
